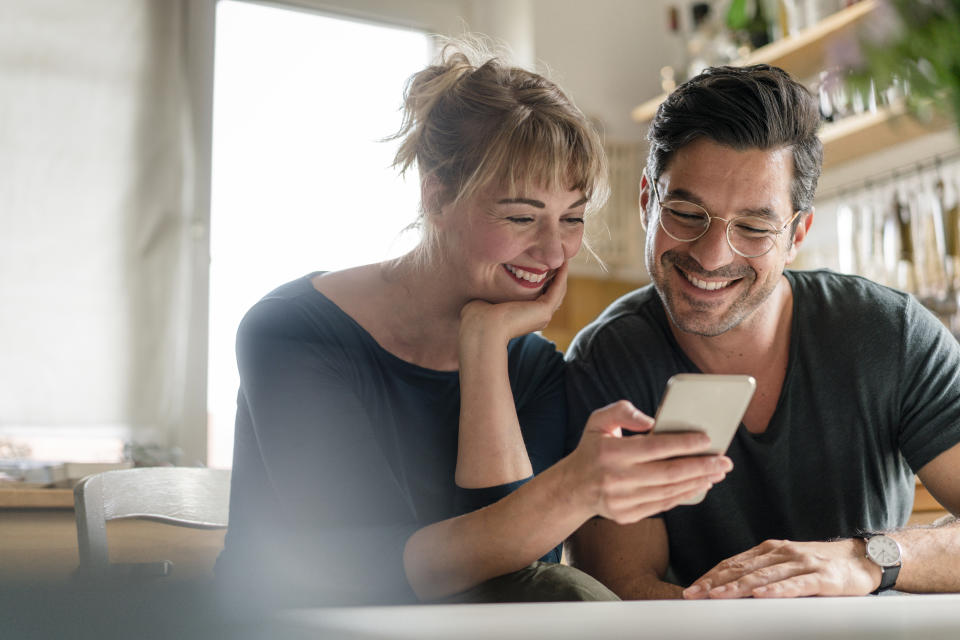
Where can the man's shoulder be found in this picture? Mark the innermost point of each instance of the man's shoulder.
(633, 313)
(833, 283)
(826, 293)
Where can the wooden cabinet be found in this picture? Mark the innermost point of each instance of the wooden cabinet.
(586, 298)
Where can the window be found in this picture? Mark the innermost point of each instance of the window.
(300, 180)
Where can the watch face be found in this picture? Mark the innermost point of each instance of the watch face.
(883, 550)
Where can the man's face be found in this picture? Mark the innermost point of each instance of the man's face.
(706, 287)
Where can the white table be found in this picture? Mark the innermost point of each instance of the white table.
(926, 617)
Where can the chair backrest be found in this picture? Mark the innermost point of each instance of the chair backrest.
(189, 497)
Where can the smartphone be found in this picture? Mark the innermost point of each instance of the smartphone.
(711, 403)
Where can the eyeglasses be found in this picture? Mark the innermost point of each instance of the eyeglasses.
(748, 236)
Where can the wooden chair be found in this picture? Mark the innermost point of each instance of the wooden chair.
(188, 497)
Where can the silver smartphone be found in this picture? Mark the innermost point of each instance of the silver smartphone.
(711, 403)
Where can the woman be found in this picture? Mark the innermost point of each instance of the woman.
(392, 417)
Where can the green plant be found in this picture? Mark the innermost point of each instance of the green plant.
(913, 44)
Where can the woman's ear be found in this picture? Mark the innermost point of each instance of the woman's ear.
(431, 192)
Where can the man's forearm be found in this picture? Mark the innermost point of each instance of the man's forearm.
(650, 588)
(929, 559)
(629, 560)
(637, 586)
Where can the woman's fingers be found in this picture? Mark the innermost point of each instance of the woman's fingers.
(657, 446)
(637, 476)
(643, 504)
(556, 289)
(505, 320)
(665, 473)
(613, 418)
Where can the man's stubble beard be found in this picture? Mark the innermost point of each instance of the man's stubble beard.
(738, 311)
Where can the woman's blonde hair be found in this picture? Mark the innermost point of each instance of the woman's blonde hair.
(471, 121)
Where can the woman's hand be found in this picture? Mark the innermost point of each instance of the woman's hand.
(626, 479)
(511, 319)
(490, 446)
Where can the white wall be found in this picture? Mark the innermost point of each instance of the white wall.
(607, 54)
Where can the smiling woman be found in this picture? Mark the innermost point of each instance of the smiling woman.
(401, 431)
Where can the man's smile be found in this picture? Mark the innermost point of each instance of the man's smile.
(705, 285)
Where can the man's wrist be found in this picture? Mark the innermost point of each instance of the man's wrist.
(871, 568)
(883, 552)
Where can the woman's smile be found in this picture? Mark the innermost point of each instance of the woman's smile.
(529, 277)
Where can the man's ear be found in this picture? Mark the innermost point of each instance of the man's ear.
(644, 198)
(803, 228)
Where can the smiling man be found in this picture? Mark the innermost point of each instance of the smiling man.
(858, 386)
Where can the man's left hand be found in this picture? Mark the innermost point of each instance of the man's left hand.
(787, 569)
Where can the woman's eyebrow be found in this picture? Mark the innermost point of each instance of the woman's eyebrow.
(529, 201)
(537, 203)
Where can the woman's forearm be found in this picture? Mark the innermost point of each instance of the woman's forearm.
(490, 449)
(622, 479)
(453, 555)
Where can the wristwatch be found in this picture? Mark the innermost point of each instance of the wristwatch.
(884, 552)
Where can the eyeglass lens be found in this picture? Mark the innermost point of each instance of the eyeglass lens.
(750, 236)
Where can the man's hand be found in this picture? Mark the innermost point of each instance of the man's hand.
(787, 569)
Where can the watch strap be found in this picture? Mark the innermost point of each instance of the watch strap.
(888, 579)
(889, 574)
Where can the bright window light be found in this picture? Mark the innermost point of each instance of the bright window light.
(301, 181)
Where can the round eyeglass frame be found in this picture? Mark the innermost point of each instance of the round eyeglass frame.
(710, 219)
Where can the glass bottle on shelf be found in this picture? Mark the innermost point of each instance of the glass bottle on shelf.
(672, 75)
(759, 26)
(709, 45)
(906, 278)
(950, 205)
(927, 218)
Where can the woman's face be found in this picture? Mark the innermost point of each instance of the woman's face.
(506, 246)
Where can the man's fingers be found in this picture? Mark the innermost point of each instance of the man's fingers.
(800, 586)
(745, 585)
(729, 570)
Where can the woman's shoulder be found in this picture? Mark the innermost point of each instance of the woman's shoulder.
(295, 309)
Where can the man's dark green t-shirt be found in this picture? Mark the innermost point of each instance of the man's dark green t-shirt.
(871, 395)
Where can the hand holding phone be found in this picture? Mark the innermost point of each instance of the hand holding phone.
(711, 403)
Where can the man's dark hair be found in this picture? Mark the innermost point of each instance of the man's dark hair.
(756, 107)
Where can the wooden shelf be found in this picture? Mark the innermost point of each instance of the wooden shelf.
(801, 55)
(861, 135)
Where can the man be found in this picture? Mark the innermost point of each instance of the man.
(858, 386)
